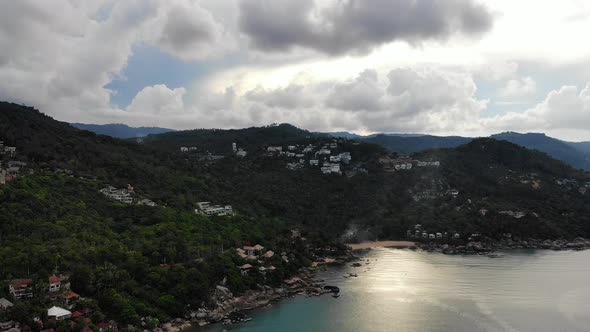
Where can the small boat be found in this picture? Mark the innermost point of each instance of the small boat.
(333, 289)
(336, 295)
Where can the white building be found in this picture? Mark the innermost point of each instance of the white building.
(345, 157)
(183, 149)
(58, 313)
(274, 149)
(5, 304)
(324, 152)
(205, 208)
(121, 195)
(234, 147)
(328, 168)
(291, 147)
(308, 149)
(241, 153)
(314, 162)
(335, 159)
(428, 164)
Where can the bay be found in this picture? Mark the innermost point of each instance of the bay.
(404, 290)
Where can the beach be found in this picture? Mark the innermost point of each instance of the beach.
(375, 244)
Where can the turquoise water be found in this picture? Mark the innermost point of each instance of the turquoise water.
(403, 290)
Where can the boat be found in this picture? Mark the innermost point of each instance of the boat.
(336, 295)
(332, 289)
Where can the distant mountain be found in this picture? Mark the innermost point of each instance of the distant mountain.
(575, 154)
(411, 144)
(120, 130)
(344, 134)
(581, 146)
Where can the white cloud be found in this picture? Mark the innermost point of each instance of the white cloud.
(291, 97)
(565, 109)
(363, 93)
(60, 55)
(518, 87)
(158, 99)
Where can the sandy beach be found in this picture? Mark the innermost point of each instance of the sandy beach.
(395, 244)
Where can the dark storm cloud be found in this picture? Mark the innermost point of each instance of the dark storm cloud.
(355, 26)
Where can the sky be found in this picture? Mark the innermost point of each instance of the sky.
(442, 67)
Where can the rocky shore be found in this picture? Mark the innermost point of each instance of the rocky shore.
(489, 246)
(231, 309)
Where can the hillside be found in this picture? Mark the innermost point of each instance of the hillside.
(220, 141)
(137, 260)
(411, 144)
(118, 130)
(571, 153)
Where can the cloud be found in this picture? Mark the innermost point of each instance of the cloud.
(59, 56)
(353, 26)
(290, 97)
(158, 99)
(518, 87)
(363, 93)
(189, 31)
(566, 108)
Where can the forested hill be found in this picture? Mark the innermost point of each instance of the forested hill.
(367, 195)
(220, 141)
(568, 152)
(141, 260)
(412, 144)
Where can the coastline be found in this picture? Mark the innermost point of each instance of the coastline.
(230, 309)
(233, 310)
(375, 244)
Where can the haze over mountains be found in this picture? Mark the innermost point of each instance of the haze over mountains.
(120, 130)
(576, 154)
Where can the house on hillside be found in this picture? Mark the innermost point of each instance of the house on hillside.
(54, 284)
(70, 297)
(5, 304)
(21, 288)
(183, 149)
(345, 157)
(241, 153)
(324, 152)
(121, 195)
(244, 269)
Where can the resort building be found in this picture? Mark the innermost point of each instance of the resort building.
(21, 288)
(207, 209)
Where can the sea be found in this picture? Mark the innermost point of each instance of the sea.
(405, 290)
